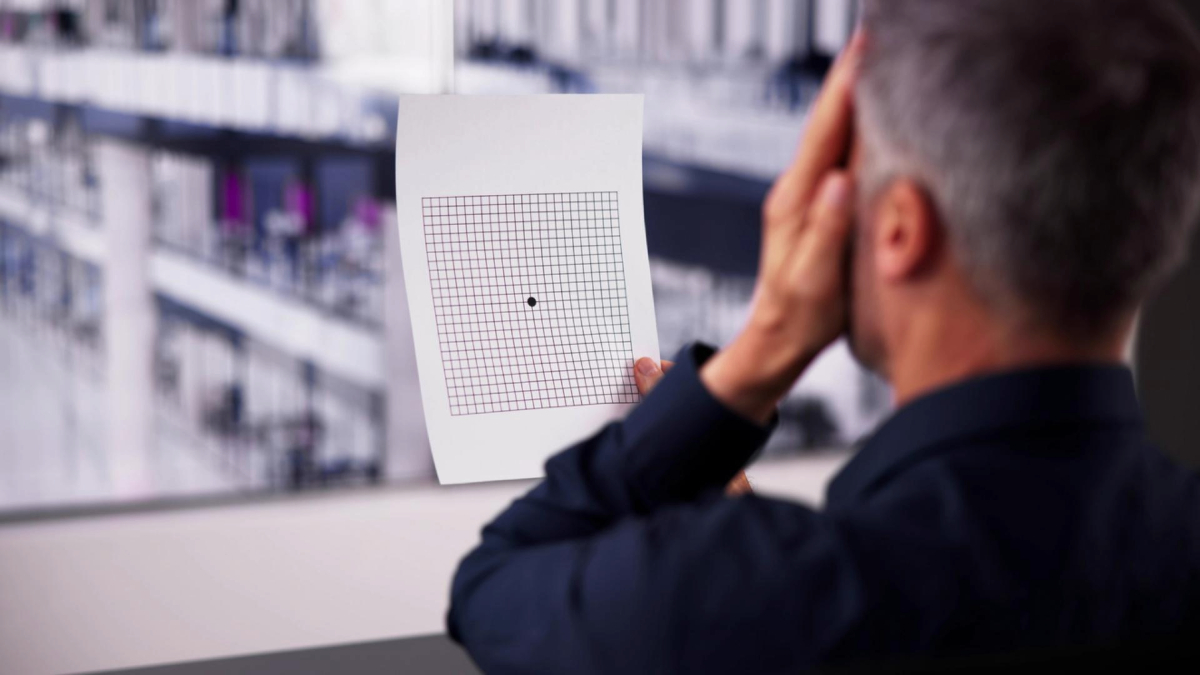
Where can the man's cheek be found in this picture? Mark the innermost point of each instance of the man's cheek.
(862, 323)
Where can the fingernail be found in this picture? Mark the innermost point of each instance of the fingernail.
(837, 191)
(647, 366)
(858, 39)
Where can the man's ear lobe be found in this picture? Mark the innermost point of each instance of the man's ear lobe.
(906, 231)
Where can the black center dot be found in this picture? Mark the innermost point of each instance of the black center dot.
(531, 301)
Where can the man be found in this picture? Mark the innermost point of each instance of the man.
(1021, 175)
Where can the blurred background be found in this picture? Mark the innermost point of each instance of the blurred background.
(201, 299)
(199, 277)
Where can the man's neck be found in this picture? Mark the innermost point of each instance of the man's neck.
(938, 353)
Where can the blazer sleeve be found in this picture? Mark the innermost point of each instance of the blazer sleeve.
(627, 558)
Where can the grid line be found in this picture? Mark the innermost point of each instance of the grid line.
(530, 301)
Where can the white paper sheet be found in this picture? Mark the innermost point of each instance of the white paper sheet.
(524, 249)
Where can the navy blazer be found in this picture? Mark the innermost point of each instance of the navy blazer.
(1016, 510)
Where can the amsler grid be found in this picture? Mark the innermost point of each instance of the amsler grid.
(529, 297)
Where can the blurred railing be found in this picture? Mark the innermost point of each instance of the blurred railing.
(53, 297)
(48, 162)
(211, 215)
(259, 416)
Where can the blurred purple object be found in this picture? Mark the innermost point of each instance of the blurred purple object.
(366, 211)
(298, 199)
(232, 204)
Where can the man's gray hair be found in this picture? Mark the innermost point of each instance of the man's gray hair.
(1059, 141)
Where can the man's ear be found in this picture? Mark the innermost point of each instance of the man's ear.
(907, 234)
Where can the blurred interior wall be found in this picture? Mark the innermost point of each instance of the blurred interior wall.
(1168, 351)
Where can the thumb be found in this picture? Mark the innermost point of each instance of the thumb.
(646, 373)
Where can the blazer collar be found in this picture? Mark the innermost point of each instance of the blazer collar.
(985, 406)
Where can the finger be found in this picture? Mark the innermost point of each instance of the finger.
(822, 147)
(827, 134)
(821, 253)
(830, 220)
(667, 365)
(646, 373)
(740, 485)
(824, 142)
